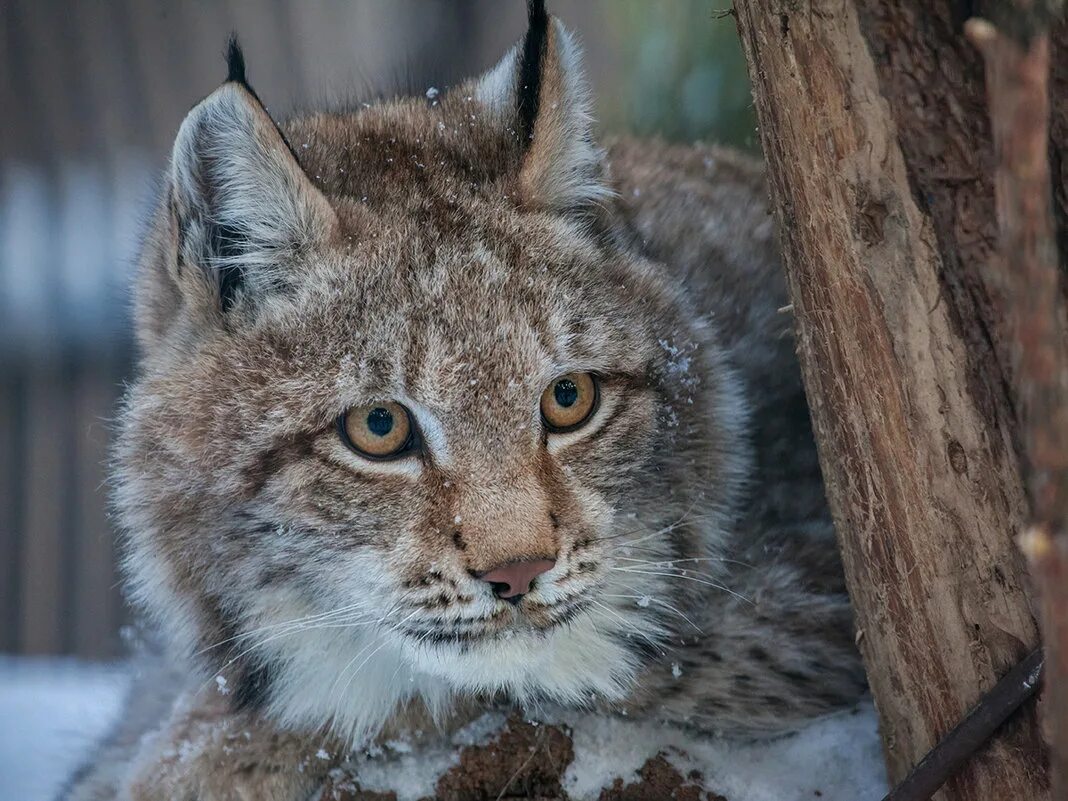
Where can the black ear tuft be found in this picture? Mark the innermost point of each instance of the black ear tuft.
(235, 61)
(530, 67)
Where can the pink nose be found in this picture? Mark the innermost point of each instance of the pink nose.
(512, 581)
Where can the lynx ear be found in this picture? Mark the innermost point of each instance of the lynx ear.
(541, 92)
(241, 203)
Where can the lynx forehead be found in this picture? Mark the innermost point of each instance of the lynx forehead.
(418, 419)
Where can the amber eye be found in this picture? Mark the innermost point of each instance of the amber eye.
(378, 431)
(570, 401)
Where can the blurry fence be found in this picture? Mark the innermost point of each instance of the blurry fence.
(65, 234)
(91, 94)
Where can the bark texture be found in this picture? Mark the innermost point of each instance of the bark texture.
(1017, 78)
(873, 123)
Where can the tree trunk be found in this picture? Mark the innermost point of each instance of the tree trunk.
(874, 127)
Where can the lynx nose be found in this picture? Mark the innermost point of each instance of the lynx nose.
(512, 581)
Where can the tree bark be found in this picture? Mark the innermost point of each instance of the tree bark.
(880, 161)
(1017, 78)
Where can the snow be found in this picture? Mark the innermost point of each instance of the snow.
(840, 756)
(411, 773)
(52, 711)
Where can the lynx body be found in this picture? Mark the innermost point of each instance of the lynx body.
(450, 260)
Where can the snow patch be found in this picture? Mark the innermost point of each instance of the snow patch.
(53, 711)
(840, 756)
(412, 773)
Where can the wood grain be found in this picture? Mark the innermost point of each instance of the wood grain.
(916, 431)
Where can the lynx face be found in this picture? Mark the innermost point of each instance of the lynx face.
(412, 421)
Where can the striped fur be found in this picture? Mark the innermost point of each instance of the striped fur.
(433, 253)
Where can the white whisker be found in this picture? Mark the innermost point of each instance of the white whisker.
(683, 576)
(658, 602)
(627, 623)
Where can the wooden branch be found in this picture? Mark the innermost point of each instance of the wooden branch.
(1017, 79)
(902, 358)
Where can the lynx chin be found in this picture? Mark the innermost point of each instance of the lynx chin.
(442, 405)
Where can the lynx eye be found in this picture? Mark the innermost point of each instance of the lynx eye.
(569, 402)
(377, 431)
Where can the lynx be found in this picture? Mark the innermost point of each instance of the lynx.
(443, 405)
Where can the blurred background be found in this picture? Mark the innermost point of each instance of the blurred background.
(92, 93)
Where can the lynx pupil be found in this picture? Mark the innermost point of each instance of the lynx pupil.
(565, 392)
(379, 421)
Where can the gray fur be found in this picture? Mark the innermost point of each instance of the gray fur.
(422, 254)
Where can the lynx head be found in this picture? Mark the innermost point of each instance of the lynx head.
(412, 420)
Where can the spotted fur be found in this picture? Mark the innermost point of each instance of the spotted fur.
(458, 254)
